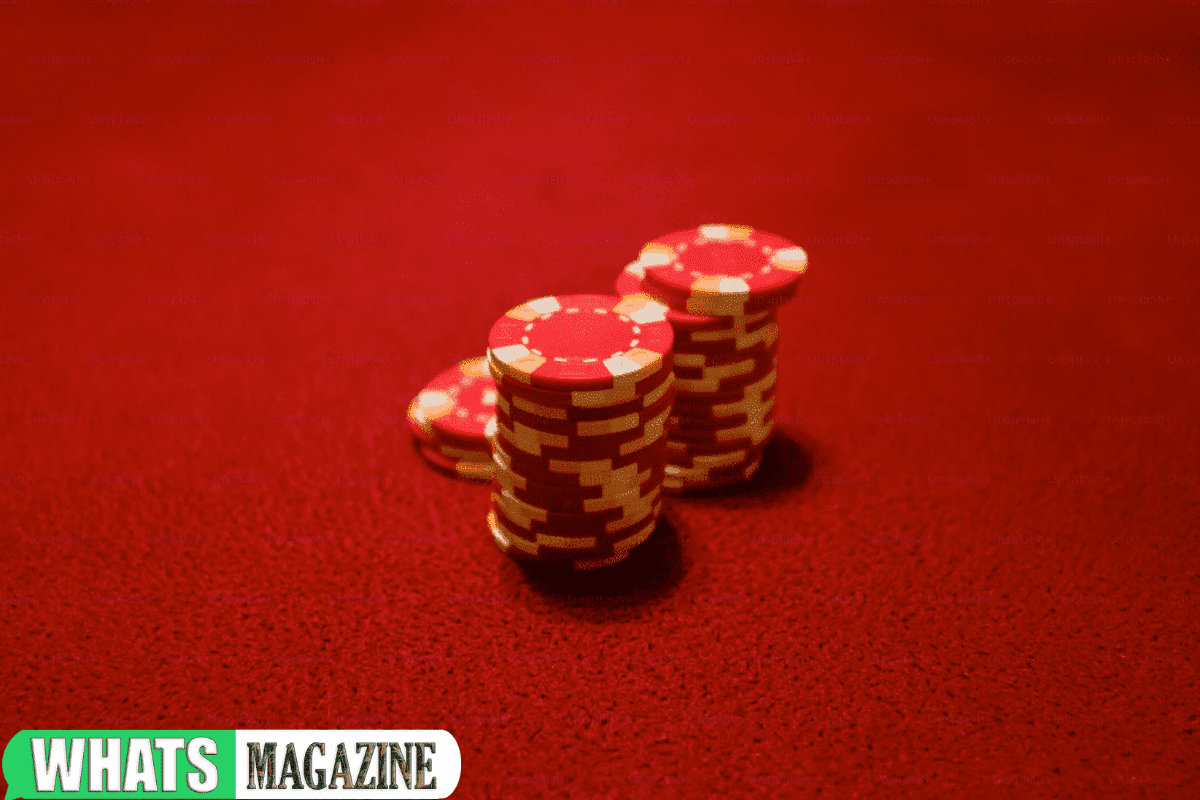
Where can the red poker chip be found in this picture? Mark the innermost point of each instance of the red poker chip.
(728, 401)
(523, 545)
(705, 416)
(722, 356)
(525, 515)
(676, 474)
(590, 428)
(582, 448)
(581, 342)
(418, 425)
(460, 454)
(570, 503)
(724, 399)
(585, 485)
(528, 552)
(723, 268)
(712, 456)
(559, 472)
(726, 308)
(591, 484)
(715, 385)
(467, 470)
(748, 435)
(761, 334)
(717, 463)
(685, 425)
(685, 453)
(546, 546)
(733, 326)
(524, 549)
(517, 409)
(712, 465)
(456, 405)
(719, 456)
(677, 484)
(712, 470)
(723, 414)
(573, 523)
(683, 428)
(583, 404)
(632, 281)
(582, 499)
(748, 368)
(704, 444)
(601, 529)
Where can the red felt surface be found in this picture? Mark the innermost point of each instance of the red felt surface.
(237, 239)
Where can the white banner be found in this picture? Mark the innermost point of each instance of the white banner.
(410, 763)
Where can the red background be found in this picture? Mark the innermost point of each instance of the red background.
(237, 239)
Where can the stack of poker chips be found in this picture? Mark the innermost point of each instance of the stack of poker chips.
(449, 420)
(723, 284)
(584, 391)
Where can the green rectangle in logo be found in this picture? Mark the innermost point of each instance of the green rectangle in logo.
(87, 764)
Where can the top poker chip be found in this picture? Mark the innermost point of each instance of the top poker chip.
(582, 342)
(457, 405)
(723, 269)
(632, 280)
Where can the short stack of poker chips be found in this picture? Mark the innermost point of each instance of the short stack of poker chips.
(449, 420)
(584, 393)
(723, 284)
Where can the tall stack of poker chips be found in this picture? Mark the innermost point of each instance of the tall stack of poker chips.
(449, 420)
(723, 284)
(584, 392)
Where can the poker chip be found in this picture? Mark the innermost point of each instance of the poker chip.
(721, 356)
(457, 404)
(749, 368)
(737, 328)
(556, 446)
(534, 455)
(631, 281)
(578, 403)
(708, 462)
(750, 393)
(727, 381)
(584, 389)
(449, 420)
(713, 468)
(722, 270)
(728, 390)
(581, 342)
(722, 285)
(580, 478)
(459, 454)
(560, 406)
(742, 339)
(583, 499)
(469, 470)
(623, 420)
(567, 525)
(681, 482)
(702, 418)
(523, 549)
(750, 434)
(747, 401)
(597, 540)
(682, 451)
(418, 425)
